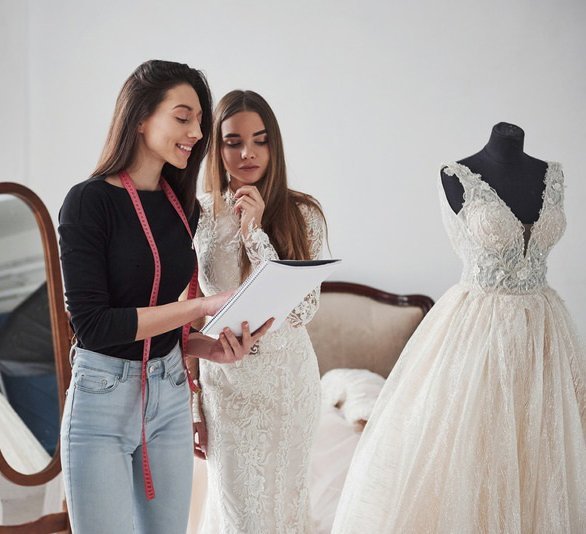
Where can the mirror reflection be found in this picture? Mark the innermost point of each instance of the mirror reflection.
(28, 389)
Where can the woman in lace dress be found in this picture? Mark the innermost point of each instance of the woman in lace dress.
(481, 426)
(262, 412)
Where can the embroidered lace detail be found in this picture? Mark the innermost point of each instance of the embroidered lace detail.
(261, 412)
(258, 246)
(491, 241)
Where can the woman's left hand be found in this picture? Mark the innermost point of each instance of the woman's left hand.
(250, 206)
(200, 446)
(227, 348)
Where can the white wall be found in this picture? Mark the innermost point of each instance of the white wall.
(371, 97)
(14, 101)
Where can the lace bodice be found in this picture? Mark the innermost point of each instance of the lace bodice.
(218, 242)
(491, 241)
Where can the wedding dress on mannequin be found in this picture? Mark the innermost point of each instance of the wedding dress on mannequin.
(481, 426)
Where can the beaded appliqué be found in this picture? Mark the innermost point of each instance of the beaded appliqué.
(491, 240)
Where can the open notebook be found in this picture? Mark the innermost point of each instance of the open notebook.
(273, 289)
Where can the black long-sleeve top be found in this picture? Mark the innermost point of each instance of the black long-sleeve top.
(108, 265)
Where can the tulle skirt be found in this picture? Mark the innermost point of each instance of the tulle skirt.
(481, 426)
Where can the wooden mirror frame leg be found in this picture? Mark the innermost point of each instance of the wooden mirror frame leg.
(48, 524)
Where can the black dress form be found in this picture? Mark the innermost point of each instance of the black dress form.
(517, 177)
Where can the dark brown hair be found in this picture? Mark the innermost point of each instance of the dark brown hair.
(282, 219)
(140, 95)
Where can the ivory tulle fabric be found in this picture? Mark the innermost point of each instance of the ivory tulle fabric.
(481, 426)
(23, 452)
(261, 412)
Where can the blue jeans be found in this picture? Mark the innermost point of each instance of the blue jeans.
(101, 451)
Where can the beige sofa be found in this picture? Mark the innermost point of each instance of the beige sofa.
(360, 327)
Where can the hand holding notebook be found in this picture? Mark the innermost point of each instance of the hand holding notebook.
(273, 289)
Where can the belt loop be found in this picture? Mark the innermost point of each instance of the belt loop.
(72, 351)
(166, 364)
(125, 369)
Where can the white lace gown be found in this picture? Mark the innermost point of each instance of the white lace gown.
(261, 412)
(481, 426)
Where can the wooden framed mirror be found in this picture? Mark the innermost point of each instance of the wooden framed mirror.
(34, 341)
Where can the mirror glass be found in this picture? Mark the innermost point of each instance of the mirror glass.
(29, 407)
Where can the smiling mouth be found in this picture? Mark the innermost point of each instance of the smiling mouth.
(185, 148)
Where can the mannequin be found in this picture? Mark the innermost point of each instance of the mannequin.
(517, 177)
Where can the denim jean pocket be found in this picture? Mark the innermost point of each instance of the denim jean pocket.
(177, 376)
(95, 381)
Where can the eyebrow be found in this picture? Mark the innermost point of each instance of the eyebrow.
(185, 106)
(260, 132)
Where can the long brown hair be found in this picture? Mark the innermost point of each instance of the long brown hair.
(282, 219)
(140, 95)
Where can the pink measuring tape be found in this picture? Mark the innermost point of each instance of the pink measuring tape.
(191, 292)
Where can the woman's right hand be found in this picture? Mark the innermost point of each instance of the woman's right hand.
(213, 303)
(200, 446)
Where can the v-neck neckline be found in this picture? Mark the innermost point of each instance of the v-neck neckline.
(520, 225)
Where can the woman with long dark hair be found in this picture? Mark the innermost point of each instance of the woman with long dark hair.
(261, 412)
(125, 237)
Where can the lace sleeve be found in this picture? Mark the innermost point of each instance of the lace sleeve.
(305, 310)
(259, 248)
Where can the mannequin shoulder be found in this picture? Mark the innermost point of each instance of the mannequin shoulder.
(535, 167)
